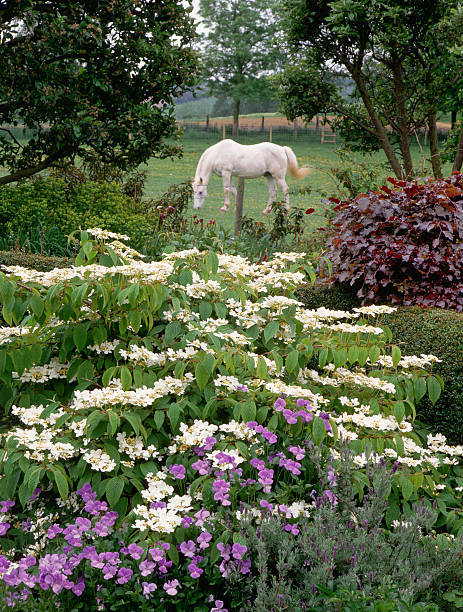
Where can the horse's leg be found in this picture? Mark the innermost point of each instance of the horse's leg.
(227, 187)
(272, 192)
(285, 189)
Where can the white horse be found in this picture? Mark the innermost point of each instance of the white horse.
(228, 158)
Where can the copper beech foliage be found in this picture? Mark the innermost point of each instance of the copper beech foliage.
(402, 244)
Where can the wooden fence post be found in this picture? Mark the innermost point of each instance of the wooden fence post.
(263, 121)
(270, 134)
(224, 134)
(239, 206)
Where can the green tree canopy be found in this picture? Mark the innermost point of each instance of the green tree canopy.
(399, 56)
(88, 77)
(240, 49)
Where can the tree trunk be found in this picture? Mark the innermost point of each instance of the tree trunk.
(434, 145)
(459, 155)
(402, 118)
(379, 127)
(454, 119)
(236, 117)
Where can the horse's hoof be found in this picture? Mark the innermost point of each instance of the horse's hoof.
(266, 211)
(224, 208)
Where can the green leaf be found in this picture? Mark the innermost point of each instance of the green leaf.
(399, 411)
(318, 430)
(126, 378)
(114, 422)
(79, 335)
(114, 488)
(352, 354)
(61, 483)
(134, 419)
(201, 375)
(205, 310)
(396, 355)
(174, 415)
(159, 418)
(261, 370)
(270, 330)
(434, 388)
(292, 361)
(419, 387)
(407, 487)
(36, 304)
(374, 353)
(248, 411)
(173, 329)
(323, 357)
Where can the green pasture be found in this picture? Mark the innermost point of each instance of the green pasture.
(161, 173)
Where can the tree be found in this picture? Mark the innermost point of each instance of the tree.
(397, 55)
(89, 77)
(239, 49)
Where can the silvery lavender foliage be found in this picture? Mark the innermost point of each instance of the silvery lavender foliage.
(345, 548)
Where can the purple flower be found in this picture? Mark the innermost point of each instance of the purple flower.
(242, 388)
(201, 517)
(135, 551)
(238, 550)
(289, 416)
(6, 505)
(177, 470)
(202, 466)
(209, 443)
(257, 463)
(291, 466)
(53, 531)
(157, 554)
(188, 548)
(79, 587)
(224, 550)
(265, 504)
(218, 606)
(266, 479)
(279, 404)
(4, 528)
(195, 571)
(171, 587)
(187, 521)
(35, 494)
(83, 524)
(325, 417)
(123, 575)
(306, 416)
(221, 488)
(148, 588)
(331, 476)
(291, 528)
(146, 567)
(203, 540)
(4, 564)
(297, 451)
(109, 571)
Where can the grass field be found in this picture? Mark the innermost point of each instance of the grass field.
(163, 173)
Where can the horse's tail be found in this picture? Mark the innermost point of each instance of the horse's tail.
(293, 167)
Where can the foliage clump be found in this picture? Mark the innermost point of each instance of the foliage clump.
(402, 246)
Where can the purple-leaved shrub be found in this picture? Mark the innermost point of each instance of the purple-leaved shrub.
(402, 245)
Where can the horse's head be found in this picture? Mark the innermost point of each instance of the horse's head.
(200, 193)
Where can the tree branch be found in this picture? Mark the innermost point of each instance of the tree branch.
(26, 172)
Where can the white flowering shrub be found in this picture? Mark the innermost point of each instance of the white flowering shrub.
(194, 383)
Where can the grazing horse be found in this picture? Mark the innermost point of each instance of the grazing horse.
(228, 158)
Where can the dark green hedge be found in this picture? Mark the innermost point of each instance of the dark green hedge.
(31, 260)
(418, 330)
